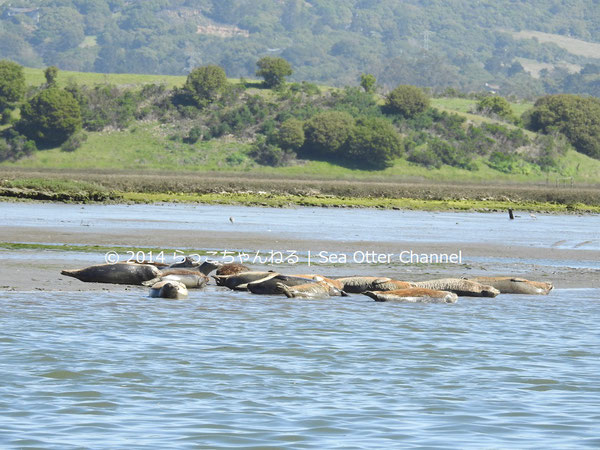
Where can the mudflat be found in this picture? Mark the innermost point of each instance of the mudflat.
(34, 269)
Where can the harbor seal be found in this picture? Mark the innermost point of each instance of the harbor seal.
(192, 279)
(413, 295)
(241, 280)
(232, 269)
(206, 267)
(308, 290)
(512, 285)
(391, 285)
(358, 285)
(271, 285)
(336, 287)
(168, 289)
(463, 288)
(120, 273)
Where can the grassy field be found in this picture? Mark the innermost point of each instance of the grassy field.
(572, 45)
(147, 147)
(35, 77)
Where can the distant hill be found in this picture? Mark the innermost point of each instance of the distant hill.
(525, 48)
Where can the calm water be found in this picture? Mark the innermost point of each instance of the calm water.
(225, 369)
(558, 231)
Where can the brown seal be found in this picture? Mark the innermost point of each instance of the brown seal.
(413, 295)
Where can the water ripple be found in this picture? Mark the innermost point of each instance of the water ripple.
(231, 370)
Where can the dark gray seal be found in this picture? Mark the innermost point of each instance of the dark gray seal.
(120, 273)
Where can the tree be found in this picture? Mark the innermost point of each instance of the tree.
(407, 101)
(273, 70)
(205, 84)
(12, 85)
(60, 29)
(578, 118)
(496, 105)
(368, 82)
(374, 143)
(290, 135)
(51, 73)
(50, 117)
(327, 132)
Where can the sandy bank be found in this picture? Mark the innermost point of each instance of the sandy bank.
(40, 269)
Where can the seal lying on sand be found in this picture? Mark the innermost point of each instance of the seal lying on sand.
(391, 285)
(191, 279)
(232, 269)
(413, 295)
(168, 289)
(270, 285)
(241, 280)
(512, 285)
(206, 267)
(463, 288)
(120, 273)
(308, 290)
(336, 286)
(358, 285)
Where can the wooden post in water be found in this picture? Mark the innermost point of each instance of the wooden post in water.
(510, 214)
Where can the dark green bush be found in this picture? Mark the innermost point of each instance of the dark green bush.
(74, 142)
(50, 117)
(407, 101)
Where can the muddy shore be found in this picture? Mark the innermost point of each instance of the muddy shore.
(33, 269)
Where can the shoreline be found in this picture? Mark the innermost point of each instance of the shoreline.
(247, 189)
(35, 266)
(289, 201)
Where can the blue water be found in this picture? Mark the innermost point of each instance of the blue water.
(226, 369)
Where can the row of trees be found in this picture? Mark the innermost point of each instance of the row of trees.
(54, 114)
(347, 126)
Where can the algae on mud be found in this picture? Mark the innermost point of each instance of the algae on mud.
(258, 190)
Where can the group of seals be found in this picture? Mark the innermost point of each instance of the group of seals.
(165, 281)
(174, 281)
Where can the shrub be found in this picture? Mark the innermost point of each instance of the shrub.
(290, 135)
(15, 146)
(374, 143)
(205, 83)
(368, 82)
(406, 100)
(50, 117)
(273, 70)
(451, 155)
(270, 155)
(74, 142)
(578, 118)
(425, 157)
(194, 135)
(12, 84)
(327, 132)
(496, 106)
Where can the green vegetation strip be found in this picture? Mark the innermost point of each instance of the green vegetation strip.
(419, 197)
(279, 201)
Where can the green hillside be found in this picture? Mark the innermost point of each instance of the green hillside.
(155, 137)
(462, 44)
